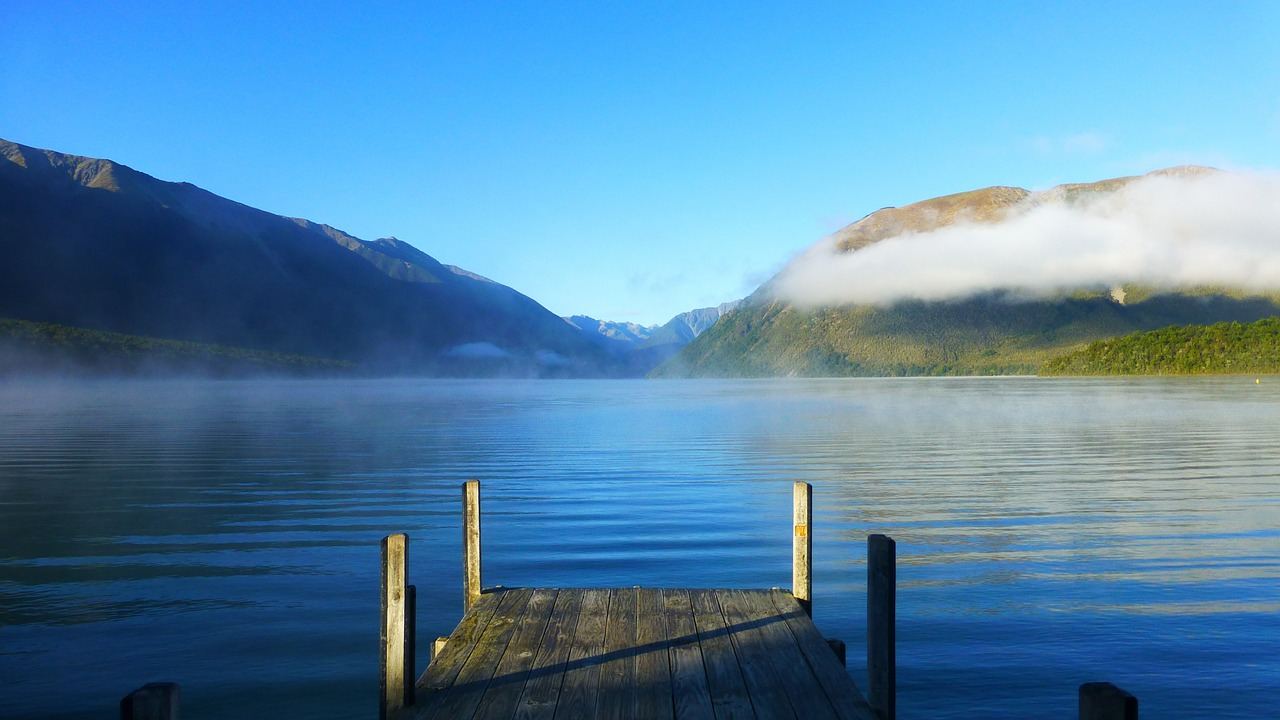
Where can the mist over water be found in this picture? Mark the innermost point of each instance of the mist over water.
(224, 535)
(1166, 231)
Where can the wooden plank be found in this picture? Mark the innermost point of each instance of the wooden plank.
(1104, 701)
(392, 653)
(653, 667)
(882, 579)
(618, 672)
(463, 697)
(445, 667)
(542, 689)
(764, 686)
(690, 693)
(802, 545)
(823, 663)
(729, 698)
(582, 674)
(803, 690)
(153, 701)
(508, 681)
(470, 543)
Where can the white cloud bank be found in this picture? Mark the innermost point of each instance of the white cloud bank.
(1166, 231)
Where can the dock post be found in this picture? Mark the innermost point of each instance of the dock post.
(410, 643)
(802, 546)
(1104, 701)
(397, 685)
(470, 543)
(881, 599)
(153, 701)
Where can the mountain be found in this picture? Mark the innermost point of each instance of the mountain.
(625, 334)
(990, 333)
(641, 348)
(95, 244)
(683, 328)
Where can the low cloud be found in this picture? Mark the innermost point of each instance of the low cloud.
(1166, 231)
(475, 350)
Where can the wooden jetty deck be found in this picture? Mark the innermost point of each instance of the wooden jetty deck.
(675, 653)
(637, 653)
(630, 652)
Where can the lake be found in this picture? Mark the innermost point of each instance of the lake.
(224, 534)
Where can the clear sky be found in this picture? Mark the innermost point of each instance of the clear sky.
(634, 160)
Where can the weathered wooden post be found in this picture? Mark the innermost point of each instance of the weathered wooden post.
(153, 701)
(1104, 701)
(470, 543)
(397, 685)
(881, 598)
(802, 545)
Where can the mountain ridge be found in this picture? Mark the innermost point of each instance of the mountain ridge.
(94, 243)
(987, 333)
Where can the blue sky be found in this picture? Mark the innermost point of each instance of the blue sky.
(633, 160)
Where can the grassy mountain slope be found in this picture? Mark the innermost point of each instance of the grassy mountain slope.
(989, 334)
(92, 243)
(1221, 348)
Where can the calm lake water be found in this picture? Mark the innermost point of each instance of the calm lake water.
(224, 535)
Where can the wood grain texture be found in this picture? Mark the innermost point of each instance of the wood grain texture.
(826, 667)
(803, 691)
(542, 689)
(507, 684)
(802, 545)
(636, 653)
(768, 695)
(473, 678)
(616, 698)
(653, 663)
(581, 684)
(393, 677)
(691, 695)
(470, 543)
(444, 669)
(725, 685)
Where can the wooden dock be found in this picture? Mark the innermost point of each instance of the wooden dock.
(630, 652)
(635, 652)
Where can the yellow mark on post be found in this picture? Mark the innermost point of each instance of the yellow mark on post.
(802, 530)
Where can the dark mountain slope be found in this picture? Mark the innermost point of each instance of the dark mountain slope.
(95, 244)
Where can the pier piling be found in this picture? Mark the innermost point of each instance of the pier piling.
(802, 546)
(470, 543)
(396, 676)
(882, 578)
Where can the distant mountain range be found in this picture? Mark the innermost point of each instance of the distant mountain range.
(984, 334)
(641, 348)
(94, 244)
